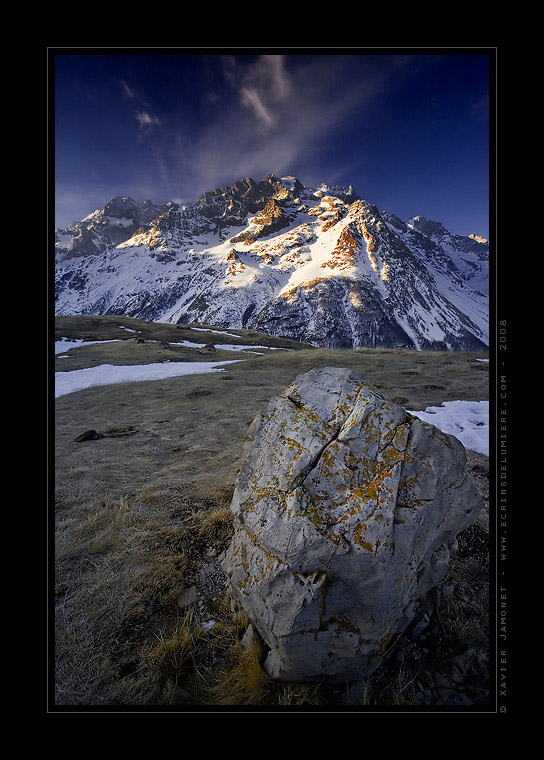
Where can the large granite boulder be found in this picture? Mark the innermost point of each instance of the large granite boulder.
(346, 511)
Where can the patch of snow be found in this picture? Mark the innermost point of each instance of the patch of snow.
(288, 182)
(468, 421)
(119, 222)
(110, 374)
(61, 345)
(188, 343)
(218, 332)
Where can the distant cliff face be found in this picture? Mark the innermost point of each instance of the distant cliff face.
(318, 264)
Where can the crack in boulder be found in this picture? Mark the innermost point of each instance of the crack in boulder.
(303, 474)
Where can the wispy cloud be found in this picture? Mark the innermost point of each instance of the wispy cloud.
(285, 115)
(145, 118)
(146, 122)
(252, 99)
(127, 91)
(262, 87)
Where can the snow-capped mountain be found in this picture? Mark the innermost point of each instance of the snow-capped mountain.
(317, 264)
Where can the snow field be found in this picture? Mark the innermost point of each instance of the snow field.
(468, 421)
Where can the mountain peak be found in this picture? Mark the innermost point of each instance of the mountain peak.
(121, 207)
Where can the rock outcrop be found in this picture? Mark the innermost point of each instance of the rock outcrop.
(347, 509)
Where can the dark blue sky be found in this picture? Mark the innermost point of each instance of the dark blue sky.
(409, 130)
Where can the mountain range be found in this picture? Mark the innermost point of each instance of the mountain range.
(315, 264)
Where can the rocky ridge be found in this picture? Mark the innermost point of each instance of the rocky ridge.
(318, 264)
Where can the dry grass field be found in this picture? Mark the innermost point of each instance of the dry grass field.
(140, 514)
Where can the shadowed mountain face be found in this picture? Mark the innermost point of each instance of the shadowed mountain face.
(315, 264)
